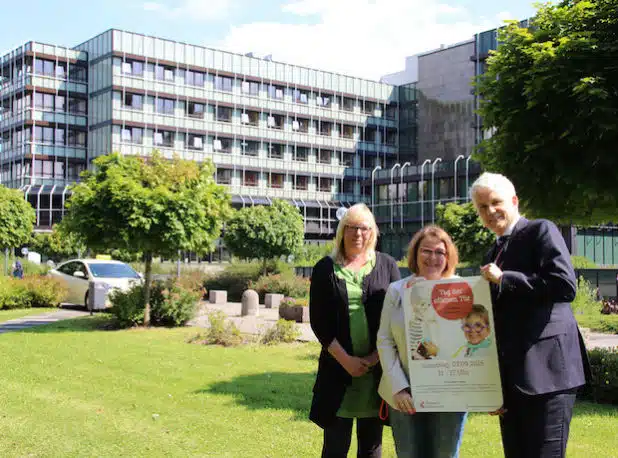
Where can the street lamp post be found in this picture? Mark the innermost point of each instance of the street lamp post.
(427, 161)
(433, 190)
(468, 177)
(400, 197)
(461, 156)
(392, 170)
(377, 167)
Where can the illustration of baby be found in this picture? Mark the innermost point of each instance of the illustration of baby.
(477, 331)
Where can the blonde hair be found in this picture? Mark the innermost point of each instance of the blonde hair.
(452, 256)
(358, 212)
(480, 311)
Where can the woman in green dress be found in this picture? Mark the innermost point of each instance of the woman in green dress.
(346, 297)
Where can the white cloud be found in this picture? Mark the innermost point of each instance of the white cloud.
(197, 10)
(365, 38)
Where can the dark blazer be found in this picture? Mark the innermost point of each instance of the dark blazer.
(328, 310)
(540, 348)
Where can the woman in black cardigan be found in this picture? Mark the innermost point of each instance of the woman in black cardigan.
(347, 292)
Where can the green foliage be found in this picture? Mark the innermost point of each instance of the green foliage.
(17, 218)
(582, 262)
(550, 98)
(172, 304)
(288, 285)
(466, 229)
(604, 368)
(598, 322)
(283, 331)
(265, 231)
(310, 253)
(31, 291)
(152, 206)
(57, 245)
(236, 277)
(220, 331)
(586, 298)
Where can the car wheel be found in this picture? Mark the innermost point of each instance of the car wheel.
(86, 302)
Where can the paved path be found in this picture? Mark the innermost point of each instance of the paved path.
(36, 320)
(598, 340)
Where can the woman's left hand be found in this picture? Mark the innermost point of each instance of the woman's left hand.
(372, 359)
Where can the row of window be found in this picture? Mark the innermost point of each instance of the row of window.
(249, 117)
(276, 180)
(45, 135)
(41, 169)
(254, 88)
(46, 102)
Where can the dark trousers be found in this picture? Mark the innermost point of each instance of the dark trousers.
(536, 426)
(338, 436)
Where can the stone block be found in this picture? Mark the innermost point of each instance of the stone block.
(272, 300)
(217, 296)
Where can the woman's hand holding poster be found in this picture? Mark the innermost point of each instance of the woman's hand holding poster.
(452, 352)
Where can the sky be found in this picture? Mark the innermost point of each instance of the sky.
(363, 38)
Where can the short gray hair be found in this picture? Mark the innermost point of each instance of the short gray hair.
(496, 182)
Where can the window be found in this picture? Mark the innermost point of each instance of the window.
(133, 101)
(194, 78)
(59, 137)
(276, 180)
(391, 111)
(250, 117)
(325, 184)
(300, 125)
(301, 182)
(60, 103)
(347, 131)
(76, 138)
(275, 121)
(77, 73)
(223, 145)
(370, 134)
(251, 178)
(275, 151)
(223, 83)
(324, 100)
(44, 101)
(77, 106)
(224, 176)
(348, 186)
(348, 104)
(164, 73)
(250, 148)
(195, 142)
(44, 134)
(348, 159)
(61, 70)
(132, 135)
(275, 92)
(165, 106)
(302, 153)
(391, 137)
(250, 87)
(164, 138)
(126, 68)
(224, 114)
(325, 156)
(371, 108)
(195, 110)
(326, 128)
(300, 96)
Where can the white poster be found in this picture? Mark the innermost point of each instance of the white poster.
(452, 351)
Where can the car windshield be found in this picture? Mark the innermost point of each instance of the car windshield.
(112, 270)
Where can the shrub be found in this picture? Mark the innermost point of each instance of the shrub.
(288, 285)
(220, 331)
(45, 291)
(171, 304)
(586, 299)
(604, 368)
(582, 262)
(193, 281)
(287, 302)
(13, 294)
(610, 307)
(283, 331)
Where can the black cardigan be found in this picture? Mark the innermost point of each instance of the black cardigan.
(328, 310)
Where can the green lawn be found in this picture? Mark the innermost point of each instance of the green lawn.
(598, 322)
(69, 389)
(6, 315)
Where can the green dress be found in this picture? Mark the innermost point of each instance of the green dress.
(361, 399)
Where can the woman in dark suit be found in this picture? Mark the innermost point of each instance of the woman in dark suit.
(346, 297)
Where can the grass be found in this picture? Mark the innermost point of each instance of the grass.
(598, 322)
(71, 389)
(6, 315)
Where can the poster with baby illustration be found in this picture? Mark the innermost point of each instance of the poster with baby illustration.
(452, 355)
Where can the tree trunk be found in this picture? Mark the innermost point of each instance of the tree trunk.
(147, 285)
(265, 266)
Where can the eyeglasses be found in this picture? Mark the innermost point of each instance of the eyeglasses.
(437, 253)
(477, 327)
(351, 228)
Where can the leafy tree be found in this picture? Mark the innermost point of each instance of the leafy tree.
(550, 99)
(464, 226)
(57, 244)
(265, 232)
(17, 219)
(153, 206)
(310, 253)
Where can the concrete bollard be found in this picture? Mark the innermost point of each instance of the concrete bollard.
(217, 296)
(272, 300)
(250, 303)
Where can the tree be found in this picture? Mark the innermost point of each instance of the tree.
(57, 244)
(265, 231)
(550, 99)
(464, 226)
(153, 206)
(17, 219)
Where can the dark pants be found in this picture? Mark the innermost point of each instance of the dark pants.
(338, 436)
(536, 426)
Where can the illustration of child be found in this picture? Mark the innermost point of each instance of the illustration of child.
(425, 348)
(477, 331)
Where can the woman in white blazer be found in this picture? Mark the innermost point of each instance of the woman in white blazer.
(431, 256)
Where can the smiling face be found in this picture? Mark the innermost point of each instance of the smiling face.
(432, 258)
(496, 212)
(357, 233)
(476, 329)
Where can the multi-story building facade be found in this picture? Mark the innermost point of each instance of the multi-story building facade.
(272, 130)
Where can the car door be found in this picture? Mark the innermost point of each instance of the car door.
(81, 282)
(65, 273)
